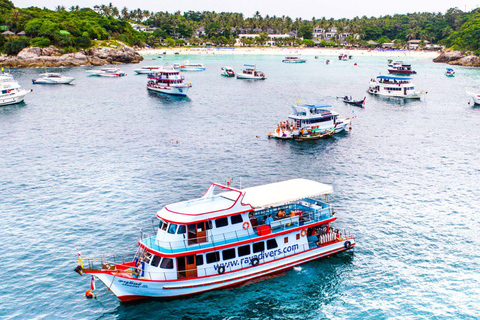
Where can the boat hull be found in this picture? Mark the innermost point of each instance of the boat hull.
(14, 99)
(66, 80)
(130, 289)
(415, 96)
(296, 61)
(192, 69)
(394, 71)
(248, 77)
(174, 91)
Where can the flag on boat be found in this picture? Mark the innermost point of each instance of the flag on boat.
(92, 283)
(80, 260)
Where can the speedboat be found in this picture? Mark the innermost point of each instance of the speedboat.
(228, 72)
(106, 72)
(309, 122)
(475, 96)
(53, 78)
(147, 69)
(398, 87)
(399, 67)
(187, 66)
(450, 72)
(343, 56)
(250, 72)
(168, 81)
(357, 103)
(227, 238)
(11, 92)
(294, 60)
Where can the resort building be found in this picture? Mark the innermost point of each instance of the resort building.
(272, 38)
(330, 34)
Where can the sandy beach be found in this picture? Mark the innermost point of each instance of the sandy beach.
(288, 51)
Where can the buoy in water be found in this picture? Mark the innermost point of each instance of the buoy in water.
(89, 294)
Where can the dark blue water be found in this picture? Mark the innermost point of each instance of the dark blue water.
(87, 166)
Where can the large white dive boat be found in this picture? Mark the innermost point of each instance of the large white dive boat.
(147, 69)
(398, 87)
(106, 72)
(294, 60)
(169, 81)
(226, 238)
(53, 78)
(251, 72)
(309, 122)
(10, 91)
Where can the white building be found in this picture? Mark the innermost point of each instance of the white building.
(272, 38)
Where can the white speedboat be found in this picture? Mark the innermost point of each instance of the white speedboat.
(226, 238)
(250, 72)
(106, 72)
(475, 96)
(309, 122)
(168, 81)
(147, 69)
(53, 78)
(398, 87)
(228, 72)
(294, 60)
(11, 92)
(187, 66)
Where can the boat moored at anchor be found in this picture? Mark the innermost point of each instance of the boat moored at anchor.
(168, 81)
(250, 72)
(397, 87)
(226, 238)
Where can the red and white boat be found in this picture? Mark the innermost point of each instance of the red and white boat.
(147, 69)
(168, 81)
(399, 67)
(226, 238)
(106, 72)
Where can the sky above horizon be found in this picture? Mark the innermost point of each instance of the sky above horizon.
(306, 9)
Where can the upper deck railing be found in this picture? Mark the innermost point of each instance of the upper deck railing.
(302, 213)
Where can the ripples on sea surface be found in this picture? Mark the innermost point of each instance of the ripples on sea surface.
(87, 166)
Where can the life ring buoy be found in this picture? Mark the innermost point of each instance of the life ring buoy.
(255, 261)
(221, 270)
(246, 224)
(9, 91)
(348, 244)
(304, 232)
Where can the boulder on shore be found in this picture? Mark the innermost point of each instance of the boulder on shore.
(52, 57)
(457, 58)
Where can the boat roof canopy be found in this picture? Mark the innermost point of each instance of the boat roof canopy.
(449, 69)
(393, 78)
(279, 193)
(315, 106)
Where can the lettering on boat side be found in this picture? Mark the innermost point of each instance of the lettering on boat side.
(129, 283)
(260, 256)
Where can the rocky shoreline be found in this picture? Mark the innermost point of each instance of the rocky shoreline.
(52, 57)
(457, 58)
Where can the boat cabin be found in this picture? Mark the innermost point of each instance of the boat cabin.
(314, 116)
(229, 229)
(165, 77)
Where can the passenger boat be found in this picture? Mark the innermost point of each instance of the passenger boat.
(309, 122)
(53, 78)
(226, 238)
(10, 91)
(450, 72)
(168, 81)
(294, 60)
(187, 66)
(358, 103)
(475, 96)
(250, 72)
(399, 87)
(106, 72)
(147, 69)
(399, 67)
(228, 72)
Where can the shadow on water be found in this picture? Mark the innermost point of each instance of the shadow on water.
(10, 109)
(322, 281)
(167, 99)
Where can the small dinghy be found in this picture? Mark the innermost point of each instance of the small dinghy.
(358, 103)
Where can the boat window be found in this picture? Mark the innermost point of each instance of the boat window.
(167, 263)
(236, 219)
(199, 259)
(258, 247)
(164, 226)
(181, 229)
(285, 240)
(244, 250)
(156, 261)
(228, 254)
(191, 259)
(213, 257)
(160, 224)
(298, 236)
(172, 228)
(222, 222)
(272, 244)
(209, 224)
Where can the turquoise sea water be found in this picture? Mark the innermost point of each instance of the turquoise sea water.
(87, 166)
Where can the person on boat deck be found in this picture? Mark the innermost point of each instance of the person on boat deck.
(269, 219)
(281, 214)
